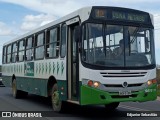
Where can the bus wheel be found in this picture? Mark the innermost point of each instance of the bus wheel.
(16, 93)
(56, 102)
(111, 106)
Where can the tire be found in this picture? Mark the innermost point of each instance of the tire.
(55, 99)
(17, 93)
(23, 94)
(111, 106)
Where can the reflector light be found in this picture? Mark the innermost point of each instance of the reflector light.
(90, 83)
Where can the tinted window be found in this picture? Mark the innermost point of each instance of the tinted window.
(52, 43)
(4, 55)
(29, 49)
(20, 50)
(14, 52)
(9, 54)
(39, 50)
(63, 40)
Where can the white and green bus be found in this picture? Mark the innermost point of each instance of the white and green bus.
(95, 55)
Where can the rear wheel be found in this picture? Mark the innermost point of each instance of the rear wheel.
(55, 98)
(111, 106)
(17, 93)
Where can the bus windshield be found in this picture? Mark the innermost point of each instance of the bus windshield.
(117, 46)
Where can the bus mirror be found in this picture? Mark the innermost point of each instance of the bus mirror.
(77, 33)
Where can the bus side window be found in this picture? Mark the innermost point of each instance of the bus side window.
(14, 52)
(52, 43)
(8, 54)
(39, 46)
(63, 40)
(21, 50)
(4, 55)
(29, 48)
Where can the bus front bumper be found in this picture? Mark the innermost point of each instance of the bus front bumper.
(90, 95)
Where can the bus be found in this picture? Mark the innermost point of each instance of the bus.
(97, 55)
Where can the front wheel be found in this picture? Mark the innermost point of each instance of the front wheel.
(55, 98)
(111, 106)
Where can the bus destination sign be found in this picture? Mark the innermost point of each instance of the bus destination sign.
(129, 16)
(121, 15)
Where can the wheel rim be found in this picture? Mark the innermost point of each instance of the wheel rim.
(56, 103)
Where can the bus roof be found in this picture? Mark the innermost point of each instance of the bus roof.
(80, 12)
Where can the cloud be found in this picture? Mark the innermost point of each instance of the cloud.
(60, 8)
(33, 21)
(156, 20)
(54, 7)
(157, 30)
(4, 29)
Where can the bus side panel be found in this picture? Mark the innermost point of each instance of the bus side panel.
(7, 81)
(32, 85)
(36, 85)
(62, 88)
(40, 87)
(6, 78)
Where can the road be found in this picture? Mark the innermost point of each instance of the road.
(75, 112)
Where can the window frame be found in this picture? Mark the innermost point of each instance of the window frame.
(8, 53)
(23, 50)
(14, 52)
(35, 44)
(32, 48)
(57, 42)
(63, 24)
(4, 57)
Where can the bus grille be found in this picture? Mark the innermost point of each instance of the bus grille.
(120, 85)
(127, 74)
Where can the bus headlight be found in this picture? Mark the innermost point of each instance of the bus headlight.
(150, 82)
(92, 83)
(96, 84)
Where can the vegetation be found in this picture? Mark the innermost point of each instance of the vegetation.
(158, 80)
(158, 90)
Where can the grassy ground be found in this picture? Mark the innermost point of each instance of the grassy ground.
(158, 80)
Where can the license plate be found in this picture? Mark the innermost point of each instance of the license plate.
(121, 93)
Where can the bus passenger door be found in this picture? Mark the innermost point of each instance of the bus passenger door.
(73, 67)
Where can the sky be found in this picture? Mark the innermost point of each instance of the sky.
(21, 16)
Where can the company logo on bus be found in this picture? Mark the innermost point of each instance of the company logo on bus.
(125, 84)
